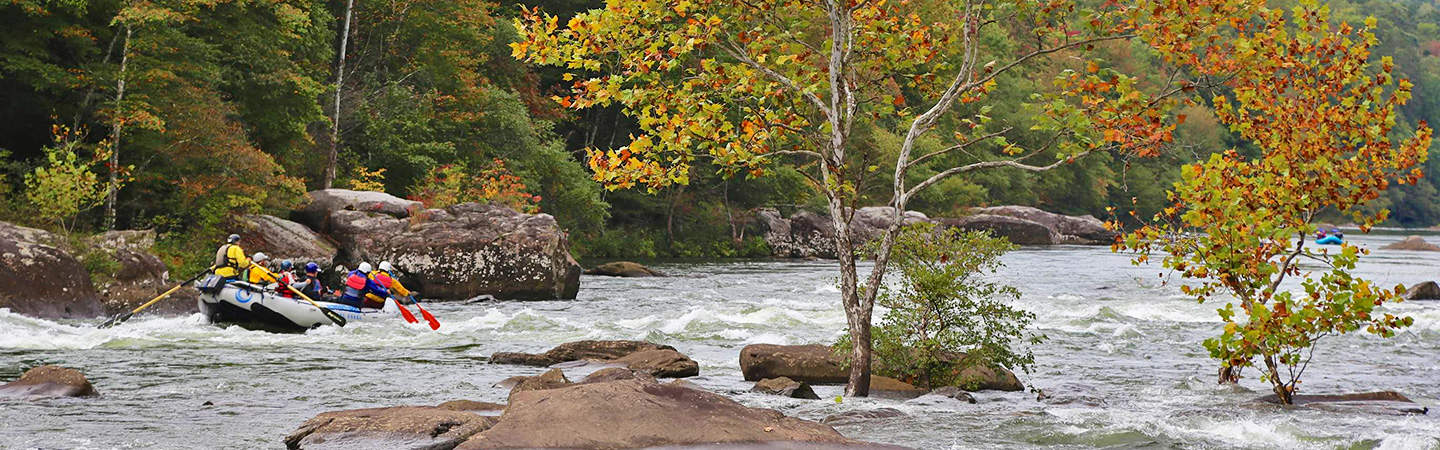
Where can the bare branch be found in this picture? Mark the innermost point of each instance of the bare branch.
(959, 146)
(992, 164)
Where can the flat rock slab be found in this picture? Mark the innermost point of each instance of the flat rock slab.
(869, 415)
(397, 427)
(1414, 243)
(635, 413)
(660, 361)
(1384, 403)
(49, 381)
(623, 269)
(785, 387)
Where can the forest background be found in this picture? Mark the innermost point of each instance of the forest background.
(204, 109)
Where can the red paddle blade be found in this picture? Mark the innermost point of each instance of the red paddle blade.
(406, 313)
(434, 324)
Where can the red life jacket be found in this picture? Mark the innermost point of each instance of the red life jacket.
(284, 286)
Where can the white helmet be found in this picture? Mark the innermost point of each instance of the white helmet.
(364, 267)
(385, 266)
(259, 256)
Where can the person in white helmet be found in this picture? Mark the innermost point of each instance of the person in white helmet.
(385, 276)
(358, 287)
(260, 277)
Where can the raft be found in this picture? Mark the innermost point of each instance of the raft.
(1330, 240)
(252, 306)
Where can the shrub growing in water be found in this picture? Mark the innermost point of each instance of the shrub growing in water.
(942, 305)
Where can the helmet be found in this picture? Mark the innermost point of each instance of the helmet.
(233, 238)
(311, 267)
(364, 267)
(385, 266)
(285, 264)
(259, 256)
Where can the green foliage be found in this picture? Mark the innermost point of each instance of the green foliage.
(943, 305)
(65, 185)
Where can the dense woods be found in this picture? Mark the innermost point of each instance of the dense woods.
(188, 111)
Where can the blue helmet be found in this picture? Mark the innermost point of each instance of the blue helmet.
(311, 267)
(285, 264)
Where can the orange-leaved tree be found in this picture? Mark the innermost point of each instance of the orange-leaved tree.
(1302, 90)
(753, 84)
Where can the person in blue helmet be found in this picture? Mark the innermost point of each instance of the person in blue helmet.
(359, 288)
(308, 282)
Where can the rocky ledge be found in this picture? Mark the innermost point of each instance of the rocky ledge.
(660, 361)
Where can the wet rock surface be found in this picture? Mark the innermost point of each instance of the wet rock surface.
(396, 427)
(1428, 290)
(869, 415)
(785, 387)
(818, 364)
(49, 381)
(623, 269)
(661, 361)
(39, 277)
(1383, 403)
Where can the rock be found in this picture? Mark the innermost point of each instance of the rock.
(470, 405)
(633, 413)
(323, 203)
(40, 278)
(1428, 290)
(551, 379)
(283, 239)
(809, 235)
(869, 415)
(785, 387)
(953, 392)
(616, 374)
(139, 275)
(687, 384)
(1071, 394)
(464, 251)
(809, 363)
(657, 360)
(623, 269)
(818, 364)
(1072, 229)
(1383, 403)
(49, 381)
(397, 427)
(662, 363)
(1416, 243)
(1017, 230)
(886, 387)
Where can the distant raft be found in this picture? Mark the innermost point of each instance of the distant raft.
(1331, 239)
(252, 306)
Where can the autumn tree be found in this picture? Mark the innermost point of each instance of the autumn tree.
(752, 85)
(1300, 89)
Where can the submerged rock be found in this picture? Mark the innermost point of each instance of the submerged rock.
(1384, 403)
(869, 415)
(40, 278)
(819, 364)
(283, 239)
(1428, 290)
(634, 413)
(785, 387)
(1415, 243)
(954, 393)
(660, 361)
(464, 251)
(396, 427)
(623, 269)
(886, 387)
(49, 381)
(1071, 394)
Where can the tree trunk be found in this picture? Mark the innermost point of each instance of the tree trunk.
(112, 191)
(1286, 396)
(330, 158)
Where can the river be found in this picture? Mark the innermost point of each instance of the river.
(177, 382)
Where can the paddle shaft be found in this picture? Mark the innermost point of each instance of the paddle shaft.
(118, 319)
(332, 315)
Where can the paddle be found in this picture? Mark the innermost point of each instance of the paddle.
(434, 324)
(403, 312)
(332, 315)
(120, 318)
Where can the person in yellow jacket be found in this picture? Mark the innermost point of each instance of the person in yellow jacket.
(385, 276)
(260, 277)
(230, 260)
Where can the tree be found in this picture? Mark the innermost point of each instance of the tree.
(65, 185)
(1301, 90)
(751, 85)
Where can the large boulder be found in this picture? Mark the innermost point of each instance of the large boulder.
(819, 364)
(809, 235)
(657, 360)
(283, 239)
(1017, 230)
(623, 269)
(39, 277)
(323, 203)
(397, 427)
(635, 413)
(1072, 229)
(136, 275)
(1415, 243)
(465, 250)
(1428, 290)
(49, 381)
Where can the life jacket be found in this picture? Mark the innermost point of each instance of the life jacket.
(284, 286)
(230, 260)
(355, 284)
